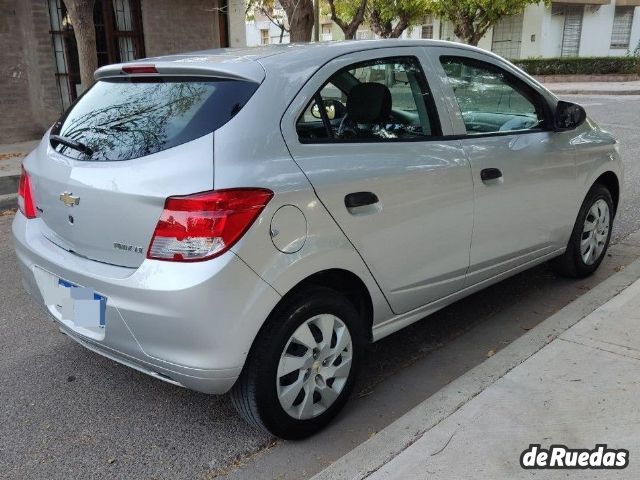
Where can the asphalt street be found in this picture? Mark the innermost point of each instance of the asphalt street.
(68, 413)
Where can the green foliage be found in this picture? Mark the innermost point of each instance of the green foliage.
(580, 65)
(348, 15)
(389, 18)
(391, 10)
(346, 9)
(472, 18)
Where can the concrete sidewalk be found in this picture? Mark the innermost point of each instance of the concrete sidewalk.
(11, 156)
(573, 380)
(595, 88)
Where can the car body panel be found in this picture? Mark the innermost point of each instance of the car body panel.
(171, 317)
(119, 203)
(326, 246)
(426, 199)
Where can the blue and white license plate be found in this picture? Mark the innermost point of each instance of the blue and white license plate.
(81, 305)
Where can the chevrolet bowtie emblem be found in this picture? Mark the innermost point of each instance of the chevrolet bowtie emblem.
(68, 199)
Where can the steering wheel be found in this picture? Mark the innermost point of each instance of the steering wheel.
(346, 126)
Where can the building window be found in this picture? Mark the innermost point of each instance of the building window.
(264, 36)
(507, 37)
(622, 21)
(65, 52)
(118, 39)
(446, 31)
(363, 35)
(326, 32)
(427, 27)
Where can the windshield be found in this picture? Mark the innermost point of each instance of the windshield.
(125, 118)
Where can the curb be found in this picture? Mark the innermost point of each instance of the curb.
(373, 454)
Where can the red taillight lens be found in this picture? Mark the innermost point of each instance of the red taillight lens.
(135, 69)
(26, 202)
(205, 225)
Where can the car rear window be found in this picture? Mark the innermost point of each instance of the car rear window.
(125, 118)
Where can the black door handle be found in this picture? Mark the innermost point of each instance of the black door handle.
(360, 199)
(490, 174)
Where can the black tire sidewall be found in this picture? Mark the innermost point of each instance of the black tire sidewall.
(598, 192)
(267, 357)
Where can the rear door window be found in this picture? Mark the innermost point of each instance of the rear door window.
(126, 118)
(386, 99)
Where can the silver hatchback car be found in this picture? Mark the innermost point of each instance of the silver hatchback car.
(248, 220)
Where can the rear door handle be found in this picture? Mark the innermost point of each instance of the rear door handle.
(360, 199)
(490, 174)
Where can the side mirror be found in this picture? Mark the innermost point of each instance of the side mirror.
(568, 116)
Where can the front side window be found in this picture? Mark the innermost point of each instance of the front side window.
(379, 100)
(490, 99)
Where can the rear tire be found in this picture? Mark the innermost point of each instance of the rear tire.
(590, 236)
(318, 335)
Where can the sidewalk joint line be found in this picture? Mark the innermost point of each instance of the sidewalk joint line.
(596, 347)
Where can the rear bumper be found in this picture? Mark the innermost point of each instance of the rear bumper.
(191, 324)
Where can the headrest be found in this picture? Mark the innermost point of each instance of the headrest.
(369, 103)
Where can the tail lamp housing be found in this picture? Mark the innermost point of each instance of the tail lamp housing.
(199, 227)
(26, 201)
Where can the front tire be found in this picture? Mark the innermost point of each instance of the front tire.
(303, 365)
(590, 237)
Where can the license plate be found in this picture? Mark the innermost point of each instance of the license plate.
(81, 305)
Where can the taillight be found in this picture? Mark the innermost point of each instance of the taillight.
(26, 202)
(137, 69)
(205, 225)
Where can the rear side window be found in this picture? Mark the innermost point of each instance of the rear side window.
(125, 118)
(386, 99)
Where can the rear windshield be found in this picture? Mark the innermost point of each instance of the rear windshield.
(125, 118)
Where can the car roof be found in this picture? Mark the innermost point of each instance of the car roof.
(252, 63)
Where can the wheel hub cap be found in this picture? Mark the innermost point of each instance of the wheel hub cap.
(314, 366)
(595, 232)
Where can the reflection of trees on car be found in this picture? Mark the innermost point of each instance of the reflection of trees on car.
(140, 122)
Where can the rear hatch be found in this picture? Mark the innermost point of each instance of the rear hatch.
(102, 174)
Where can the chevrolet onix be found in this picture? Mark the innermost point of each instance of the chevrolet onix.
(248, 220)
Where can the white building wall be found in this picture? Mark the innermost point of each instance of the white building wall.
(635, 31)
(595, 38)
(254, 33)
(533, 31)
(597, 24)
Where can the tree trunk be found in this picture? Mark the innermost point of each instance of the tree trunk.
(84, 30)
(381, 28)
(349, 29)
(300, 16)
(473, 41)
(401, 26)
(351, 35)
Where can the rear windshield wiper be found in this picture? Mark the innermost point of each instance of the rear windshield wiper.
(71, 143)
